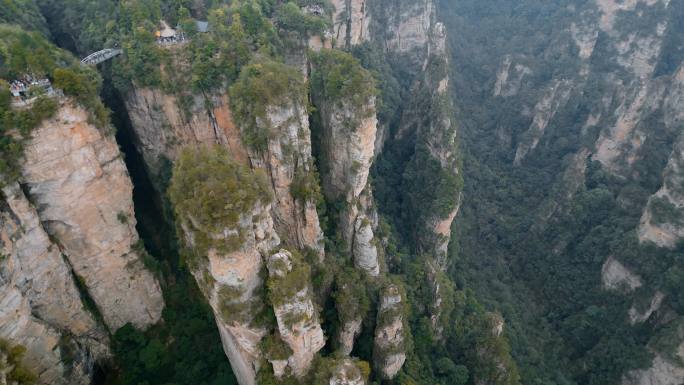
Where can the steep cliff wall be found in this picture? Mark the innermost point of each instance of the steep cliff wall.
(349, 126)
(163, 128)
(661, 222)
(579, 108)
(40, 306)
(297, 318)
(389, 349)
(226, 245)
(351, 21)
(76, 178)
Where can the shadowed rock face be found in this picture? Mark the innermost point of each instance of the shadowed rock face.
(40, 306)
(351, 21)
(76, 178)
(346, 373)
(389, 351)
(349, 153)
(297, 318)
(238, 272)
(162, 130)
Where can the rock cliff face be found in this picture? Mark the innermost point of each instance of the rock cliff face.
(439, 137)
(348, 146)
(661, 222)
(619, 100)
(296, 315)
(162, 128)
(347, 373)
(233, 285)
(76, 178)
(351, 21)
(40, 306)
(407, 28)
(663, 371)
(348, 333)
(389, 351)
(289, 165)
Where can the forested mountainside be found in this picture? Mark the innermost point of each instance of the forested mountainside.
(341, 192)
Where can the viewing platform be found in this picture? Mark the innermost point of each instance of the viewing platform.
(28, 88)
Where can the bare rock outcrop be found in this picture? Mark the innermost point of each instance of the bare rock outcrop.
(75, 176)
(288, 163)
(637, 315)
(162, 128)
(223, 211)
(389, 352)
(40, 305)
(347, 372)
(348, 333)
(663, 371)
(351, 20)
(233, 285)
(509, 77)
(554, 97)
(615, 276)
(663, 219)
(407, 28)
(349, 128)
(296, 315)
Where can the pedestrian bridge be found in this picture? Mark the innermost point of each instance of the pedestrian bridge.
(100, 56)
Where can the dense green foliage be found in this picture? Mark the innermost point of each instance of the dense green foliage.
(24, 13)
(531, 245)
(11, 364)
(262, 87)
(340, 78)
(185, 350)
(290, 16)
(210, 193)
(29, 53)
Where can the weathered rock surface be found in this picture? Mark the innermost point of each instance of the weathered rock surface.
(656, 225)
(40, 306)
(232, 284)
(162, 128)
(636, 316)
(288, 163)
(389, 351)
(556, 96)
(347, 373)
(349, 153)
(348, 333)
(351, 20)
(616, 276)
(297, 318)
(429, 121)
(509, 78)
(75, 176)
(407, 28)
(661, 372)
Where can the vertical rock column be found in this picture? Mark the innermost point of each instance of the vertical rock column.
(437, 144)
(298, 325)
(274, 127)
(389, 351)
(349, 126)
(351, 20)
(78, 181)
(223, 211)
